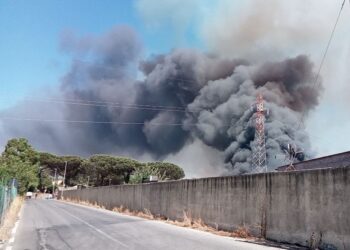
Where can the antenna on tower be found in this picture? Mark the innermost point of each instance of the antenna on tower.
(259, 150)
(291, 155)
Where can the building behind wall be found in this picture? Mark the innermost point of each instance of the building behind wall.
(330, 161)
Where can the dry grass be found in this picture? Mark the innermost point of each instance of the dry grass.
(10, 218)
(85, 203)
(187, 221)
(241, 232)
(146, 214)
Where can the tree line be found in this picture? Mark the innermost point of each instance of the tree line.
(35, 170)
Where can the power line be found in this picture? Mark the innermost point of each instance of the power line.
(116, 105)
(323, 59)
(96, 103)
(101, 122)
(111, 105)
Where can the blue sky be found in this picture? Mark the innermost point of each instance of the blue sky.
(30, 36)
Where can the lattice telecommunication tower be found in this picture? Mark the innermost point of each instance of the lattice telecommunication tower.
(259, 150)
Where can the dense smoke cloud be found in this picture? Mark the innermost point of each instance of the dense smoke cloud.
(225, 118)
(207, 101)
(274, 30)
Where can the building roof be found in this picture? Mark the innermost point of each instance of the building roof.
(329, 161)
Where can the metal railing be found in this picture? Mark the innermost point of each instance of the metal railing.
(8, 192)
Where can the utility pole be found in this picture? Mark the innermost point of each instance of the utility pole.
(88, 181)
(54, 183)
(259, 150)
(64, 178)
(64, 175)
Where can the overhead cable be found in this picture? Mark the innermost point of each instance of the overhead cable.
(316, 82)
(102, 122)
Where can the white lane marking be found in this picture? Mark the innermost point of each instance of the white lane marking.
(12, 239)
(96, 229)
(13, 232)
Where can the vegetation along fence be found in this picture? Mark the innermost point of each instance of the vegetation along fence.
(8, 191)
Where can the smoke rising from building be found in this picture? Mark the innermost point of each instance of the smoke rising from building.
(215, 95)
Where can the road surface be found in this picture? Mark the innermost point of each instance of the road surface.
(50, 224)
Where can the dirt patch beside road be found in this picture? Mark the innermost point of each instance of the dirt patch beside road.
(10, 218)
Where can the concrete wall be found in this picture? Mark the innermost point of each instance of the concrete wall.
(303, 207)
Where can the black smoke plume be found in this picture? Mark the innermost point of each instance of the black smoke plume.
(184, 95)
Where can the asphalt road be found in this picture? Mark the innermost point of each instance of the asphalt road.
(50, 224)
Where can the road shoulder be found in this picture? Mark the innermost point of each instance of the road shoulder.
(164, 223)
(8, 244)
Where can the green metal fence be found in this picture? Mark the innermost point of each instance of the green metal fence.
(8, 192)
